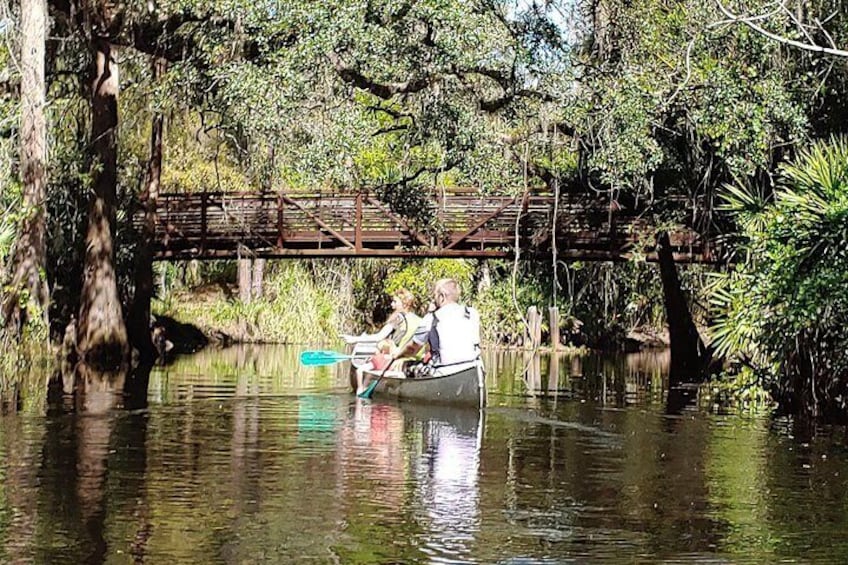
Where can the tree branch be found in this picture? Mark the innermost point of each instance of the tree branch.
(385, 91)
(396, 114)
(162, 37)
(750, 22)
(390, 129)
(496, 104)
(410, 178)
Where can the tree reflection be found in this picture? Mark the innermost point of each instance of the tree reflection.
(78, 456)
(20, 444)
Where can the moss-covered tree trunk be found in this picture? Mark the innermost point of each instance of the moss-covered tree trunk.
(138, 324)
(688, 354)
(28, 291)
(102, 335)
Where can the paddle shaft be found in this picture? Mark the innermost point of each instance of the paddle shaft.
(368, 392)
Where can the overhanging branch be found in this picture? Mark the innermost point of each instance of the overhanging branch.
(751, 22)
(385, 91)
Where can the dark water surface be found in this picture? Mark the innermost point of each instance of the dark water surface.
(240, 456)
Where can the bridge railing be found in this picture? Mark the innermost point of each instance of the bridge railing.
(464, 223)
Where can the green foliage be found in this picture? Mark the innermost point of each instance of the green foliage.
(68, 186)
(380, 94)
(632, 153)
(10, 201)
(296, 307)
(674, 102)
(418, 278)
(25, 363)
(610, 300)
(199, 163)
(503, 317)
(744, 390)
(10, 193)
(785, 309)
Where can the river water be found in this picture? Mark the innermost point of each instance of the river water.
(241, 456)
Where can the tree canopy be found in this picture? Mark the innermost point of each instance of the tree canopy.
(645, 101)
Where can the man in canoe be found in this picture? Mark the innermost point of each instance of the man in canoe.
(452, 330)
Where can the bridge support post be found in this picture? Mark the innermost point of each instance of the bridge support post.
(533, 336)
(553, 324)
(257, 286)
(244, 274)
(553, 376)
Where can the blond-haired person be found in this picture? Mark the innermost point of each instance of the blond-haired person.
(399, 327)
(380, 361)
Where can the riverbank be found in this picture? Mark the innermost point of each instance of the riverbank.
(223, 319)
(278, 319)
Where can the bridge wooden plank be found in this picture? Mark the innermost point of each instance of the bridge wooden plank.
(479, 224)
(389, 214)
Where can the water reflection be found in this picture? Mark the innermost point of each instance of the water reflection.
(617, 380)
(74, 466)
(446, 479)
(415, 469)
(242, 459)
(243, 371)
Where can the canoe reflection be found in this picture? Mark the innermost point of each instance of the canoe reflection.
(425, 459)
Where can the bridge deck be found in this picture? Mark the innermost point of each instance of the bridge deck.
(464, 224)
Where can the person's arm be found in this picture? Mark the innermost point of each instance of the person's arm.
(384, 332)
(409, 350)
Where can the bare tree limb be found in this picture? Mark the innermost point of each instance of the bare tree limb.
(751, 23)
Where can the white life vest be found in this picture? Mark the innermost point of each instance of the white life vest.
(454, 338)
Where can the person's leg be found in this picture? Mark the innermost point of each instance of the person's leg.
(360, 377)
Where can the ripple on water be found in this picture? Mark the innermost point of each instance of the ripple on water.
(251, 459)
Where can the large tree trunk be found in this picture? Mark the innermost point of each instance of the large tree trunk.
(29, 293)
(102, 335)
(688, 355)
(138, 324)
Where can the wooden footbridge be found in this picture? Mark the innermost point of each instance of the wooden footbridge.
(461, 223)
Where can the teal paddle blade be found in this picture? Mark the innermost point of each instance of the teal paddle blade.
(368, 392)
(319, 358)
